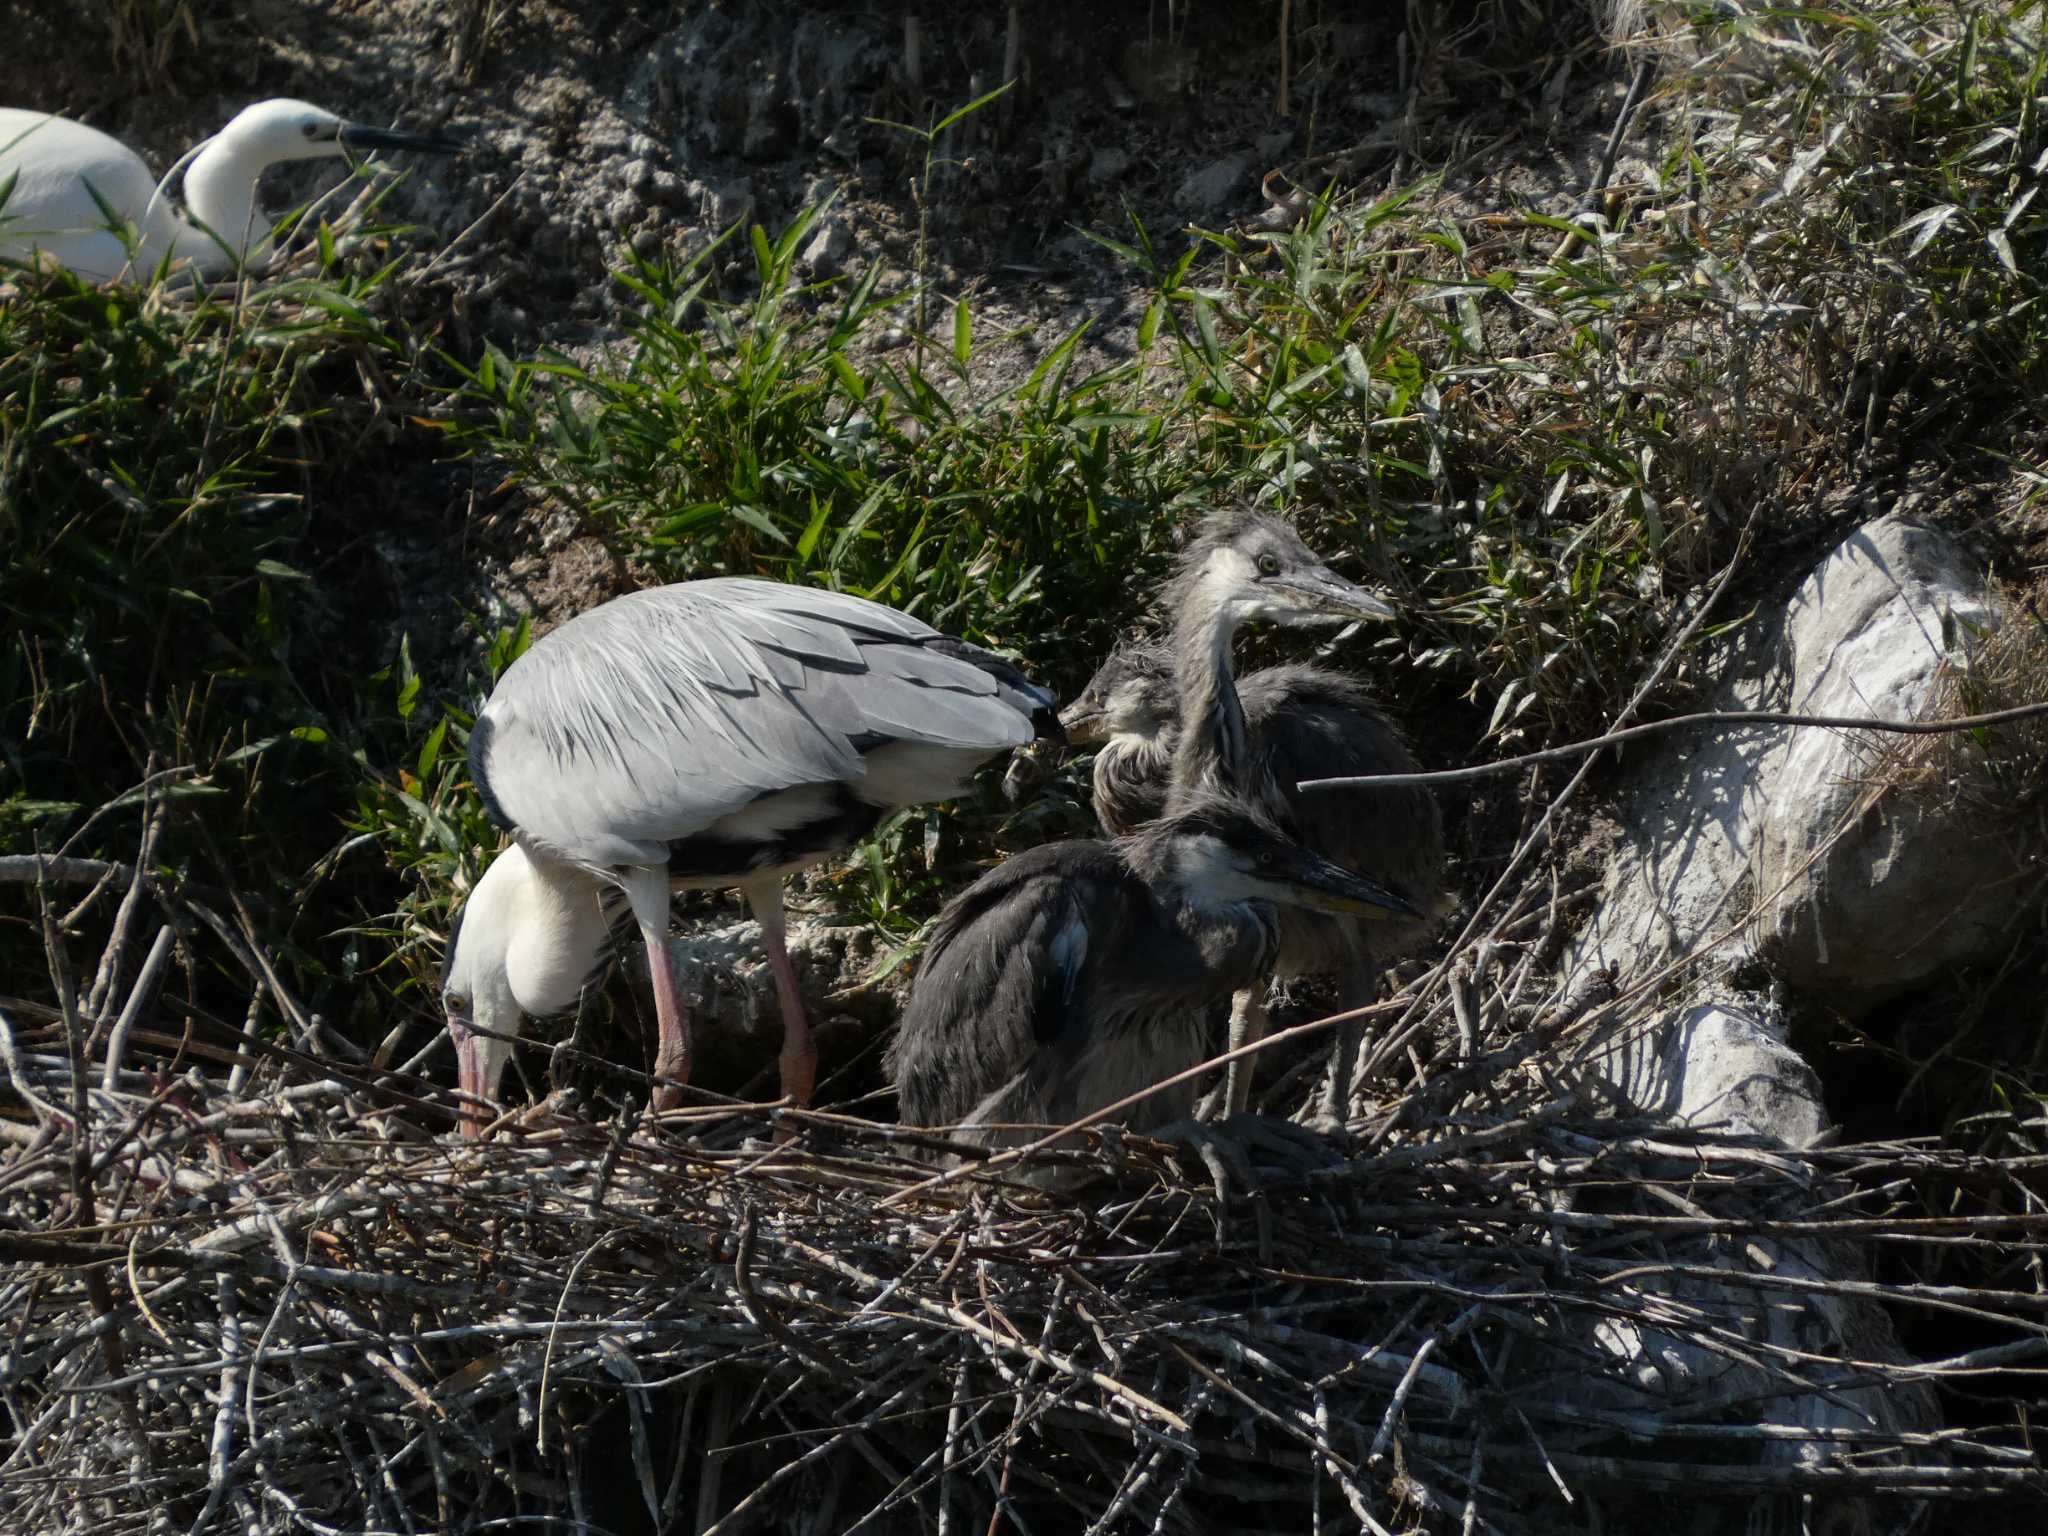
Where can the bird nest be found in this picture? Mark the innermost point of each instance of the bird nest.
(295, 1307)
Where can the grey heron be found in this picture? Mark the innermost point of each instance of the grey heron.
(91, 203)
(1176, 717)
(1080, 972)
(710, 734)
(1300, 723)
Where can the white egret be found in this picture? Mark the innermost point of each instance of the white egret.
(90, 202)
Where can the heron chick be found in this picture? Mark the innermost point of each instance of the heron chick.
(91, 203)
(1081, 972)
(1185, 724)
(709, 734)
(1301, 722)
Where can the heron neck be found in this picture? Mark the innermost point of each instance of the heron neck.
(557, 935)
(1236, 938)
(1212, 753)
(220, 193)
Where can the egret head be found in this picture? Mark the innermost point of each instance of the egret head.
(283, 129)
(1223, 851)
(523, 945)
(1131, 694)
(1247, 567)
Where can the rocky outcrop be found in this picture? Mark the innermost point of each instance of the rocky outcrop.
(1867, 888)
(1849, 872)
(1806, 848)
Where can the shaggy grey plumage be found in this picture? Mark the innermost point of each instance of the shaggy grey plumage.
(1077, 974)
(1080, 972)
(1263, 736)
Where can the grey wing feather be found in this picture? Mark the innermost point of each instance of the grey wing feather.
(1002, 977)
(655, 714)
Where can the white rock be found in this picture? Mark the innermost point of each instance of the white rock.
(1869, 889)
(1860, 893)
(825, 255)
(1714, 1066)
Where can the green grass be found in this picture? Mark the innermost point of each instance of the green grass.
(783, 435)
(169, 474)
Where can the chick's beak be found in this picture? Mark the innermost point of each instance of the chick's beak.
(1322, 886)
(1326, 593)
(1085, 723)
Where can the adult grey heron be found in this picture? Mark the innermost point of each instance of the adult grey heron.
(1262, 736)
(1080, 972)
(710, 734)
(91, 203)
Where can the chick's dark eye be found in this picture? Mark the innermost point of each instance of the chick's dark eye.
(1266, 859)
(1269, 565)
(311, 130)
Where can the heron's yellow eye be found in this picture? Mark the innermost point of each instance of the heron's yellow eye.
(455, 1002)
(1269, 565)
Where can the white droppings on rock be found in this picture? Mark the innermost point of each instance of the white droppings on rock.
(1870, 888)
(1863, 889)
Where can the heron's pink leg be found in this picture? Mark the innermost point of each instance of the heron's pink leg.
(647, 889)
(799, 1061)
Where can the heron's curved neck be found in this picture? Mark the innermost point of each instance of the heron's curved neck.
(555, 929)
(1212, 753)
(220, 192)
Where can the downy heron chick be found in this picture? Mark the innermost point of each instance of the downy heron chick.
(709, 734)
(1081, 972)
(1301, 722)
(1220, 584)
(92, 204)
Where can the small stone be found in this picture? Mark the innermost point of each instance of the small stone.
(1215, 186)
(830, 245)
(623, 211)
(722, 203)
(665, 188)
(1107, 164)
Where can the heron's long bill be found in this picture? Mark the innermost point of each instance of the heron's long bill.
(1327, 593)
(1321, 886)
(469, 1078)
(362, 136)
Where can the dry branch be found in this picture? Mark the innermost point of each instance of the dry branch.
(319, 1319)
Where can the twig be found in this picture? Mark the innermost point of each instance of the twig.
(1734, 717)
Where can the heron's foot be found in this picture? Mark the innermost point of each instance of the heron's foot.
(1232, 1148)
(1326, 1121)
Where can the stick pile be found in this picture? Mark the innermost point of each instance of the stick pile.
(294, 1309)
